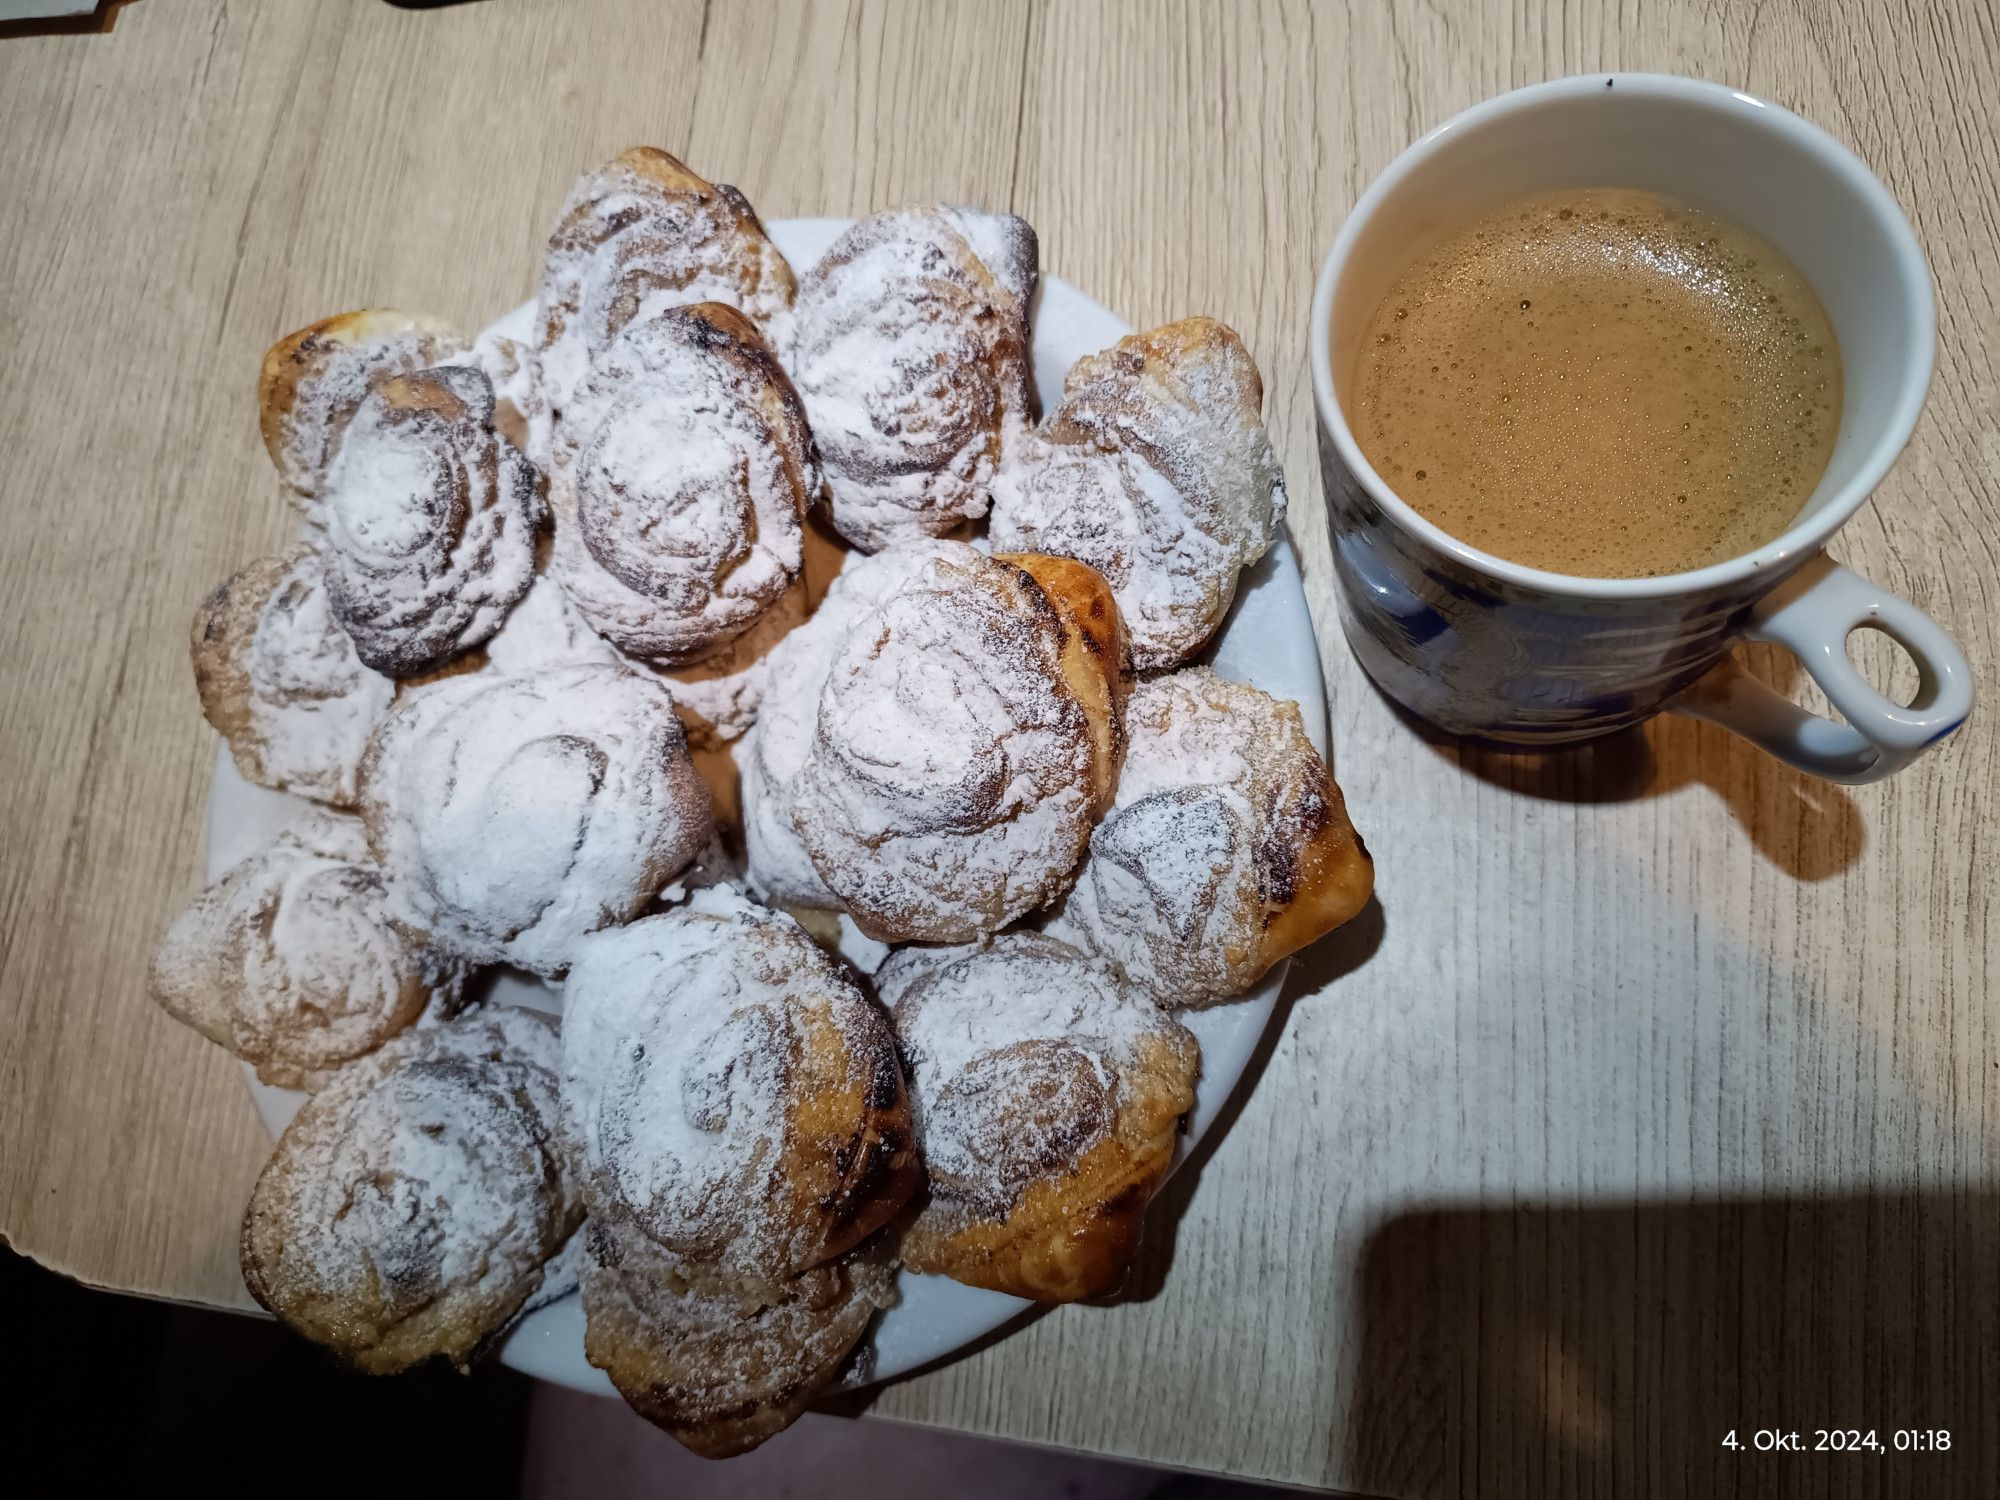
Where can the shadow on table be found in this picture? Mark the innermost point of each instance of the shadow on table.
(97, 22)
(1810, 829)
(1334, 956)
(1608, 1350)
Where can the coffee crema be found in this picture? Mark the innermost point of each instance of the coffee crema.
(1603, 383)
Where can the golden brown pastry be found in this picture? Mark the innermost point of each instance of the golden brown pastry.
(1048, 1093)
(910, 347)
(412, 1204)
(430, 520)
(967, 738)
(516, 812)
(738, 1112)
(693, 1362)
(289, 960)
(1155, 469)
(1227, 849)
(280, 682)
(312, 381)
(641, 234)
(729, 1089)
(682, 473)
(771, 755)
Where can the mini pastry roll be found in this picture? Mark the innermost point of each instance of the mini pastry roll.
(1155, 469)
(683, 469)
(1048, 1093)
(516, 813)
(1227, 849)
(968, 736)
(279, 679)
(290, 961)
(911, 350)
(430, 519)
(413, 1203)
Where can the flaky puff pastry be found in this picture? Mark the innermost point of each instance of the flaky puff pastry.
(967, 738)
(641, 234)
(682, 472)
(290, 962)
(910, 346)
(413, 1204)
(731, 1092)
(312, 381)
(1156, 470)
(717, 1378)
(1227, 849)
(280, 681)
(738, 1111)
(516, 812)
(430, 518)
(1048, 1093)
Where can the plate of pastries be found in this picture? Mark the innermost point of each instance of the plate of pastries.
(766, 807)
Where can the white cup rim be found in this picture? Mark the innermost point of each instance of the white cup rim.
(1777, 556)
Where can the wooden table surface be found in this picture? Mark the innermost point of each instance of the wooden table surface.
(1659, 1097)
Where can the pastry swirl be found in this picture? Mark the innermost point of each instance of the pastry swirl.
(1048, 1094)
(769, 759)
(515, 813)
(430, 521)
(1228, 846)
(911, 351)
(289, 961)
(641, 234)
(411, 1205)
(683, 469)
(730, 1091)
(1156, 470)
(312, 381)
(717, 1378)
(967, 737)
(279, 679)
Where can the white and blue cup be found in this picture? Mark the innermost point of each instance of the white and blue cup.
(1521, 658)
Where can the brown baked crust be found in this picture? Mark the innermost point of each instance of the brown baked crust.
(403, 342)
(716, 1378)
(411, 1205)
(926, 846)
(1072, 1236)
(1096, 662)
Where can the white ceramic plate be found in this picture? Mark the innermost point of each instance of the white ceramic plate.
(1267, 641)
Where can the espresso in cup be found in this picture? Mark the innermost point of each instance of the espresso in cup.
(1602, 383)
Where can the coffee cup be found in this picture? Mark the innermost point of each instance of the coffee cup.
(1519, 657)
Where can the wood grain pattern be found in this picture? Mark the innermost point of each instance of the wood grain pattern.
(1661, 1093)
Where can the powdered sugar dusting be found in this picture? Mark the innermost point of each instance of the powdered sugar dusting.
(290, 962)
(516, 813)
(430, 519)
(280, 681)
(1018, 1049)
(948, 786)
(640, 235)
(910, 350)
(1156, 470)
(544, 630)
(1220, 785)
(682, 473)
(794, 675)
(683, 1041)
(410, 1206)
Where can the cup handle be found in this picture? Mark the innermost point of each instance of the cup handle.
(1811, 614)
